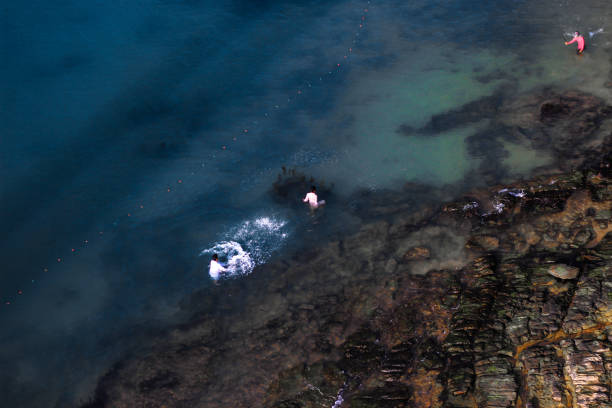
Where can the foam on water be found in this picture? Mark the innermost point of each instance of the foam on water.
(249, 244)
(594, 33)
(520, 193)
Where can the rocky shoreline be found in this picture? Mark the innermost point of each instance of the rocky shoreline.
(500, 299)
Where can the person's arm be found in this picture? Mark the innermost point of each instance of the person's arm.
(220, 267)
(571, 42)
(305, 198)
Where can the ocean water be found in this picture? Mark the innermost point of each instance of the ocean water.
(138, 138)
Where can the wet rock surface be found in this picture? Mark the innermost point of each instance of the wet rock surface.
(500, 299)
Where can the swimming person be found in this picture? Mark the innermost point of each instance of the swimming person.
(579, 40)
(215, 267)
(312, 199)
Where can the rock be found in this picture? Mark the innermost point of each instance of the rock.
(562, 271)
(488, 242)
(417, 254)
(586, 362)
(544, 377)
(522, 318)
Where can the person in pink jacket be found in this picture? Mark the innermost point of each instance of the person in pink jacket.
(579, 40)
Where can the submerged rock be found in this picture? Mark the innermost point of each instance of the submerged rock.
(571, 127)
(562, 271)
(417, 254)
(292, 185)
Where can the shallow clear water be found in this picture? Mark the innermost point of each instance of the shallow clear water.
(137, 136)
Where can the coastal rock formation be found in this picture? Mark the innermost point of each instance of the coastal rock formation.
(500, 299)
(519, 315)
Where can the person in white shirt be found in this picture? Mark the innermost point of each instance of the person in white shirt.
(215, 267)
(312, 199)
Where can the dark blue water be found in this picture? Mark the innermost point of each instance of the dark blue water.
(138, 136)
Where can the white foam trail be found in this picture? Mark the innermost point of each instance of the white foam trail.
(593, 33)
(239, 262)
(249, 244)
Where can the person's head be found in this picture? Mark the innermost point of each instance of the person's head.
(576, 33)
(313, 189)
(215, 257)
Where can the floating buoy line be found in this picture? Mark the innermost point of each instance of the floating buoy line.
(7, 300)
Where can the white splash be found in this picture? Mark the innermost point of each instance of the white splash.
(339, 400)
(593, 33)
(470, 206)
(499, 207)
(239, 262)
(513, 192)
(249, 244)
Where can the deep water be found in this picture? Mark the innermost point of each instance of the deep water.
(139, 137)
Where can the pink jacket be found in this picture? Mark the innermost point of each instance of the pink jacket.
(580, 40)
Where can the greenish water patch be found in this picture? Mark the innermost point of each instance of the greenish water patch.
(407, 94)
(381, 107)
(522, 160)
(435, 160)
(554, 64)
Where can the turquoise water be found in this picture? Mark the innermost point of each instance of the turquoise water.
(138, 137)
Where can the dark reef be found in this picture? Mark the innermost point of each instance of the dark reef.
(570, 126)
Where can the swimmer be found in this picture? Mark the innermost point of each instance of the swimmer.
(579, 40)
(215, 268)
(312, 199)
